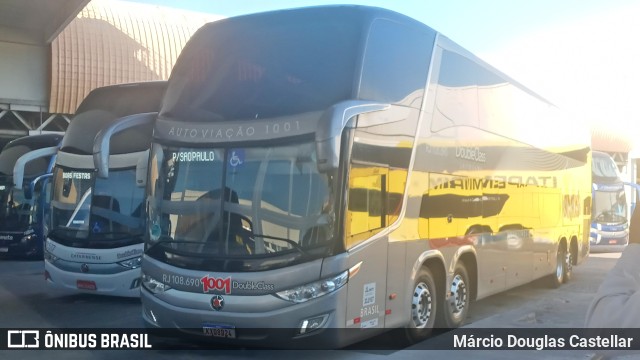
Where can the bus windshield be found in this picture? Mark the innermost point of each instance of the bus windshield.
(609, 207)
(92, 212)
(15, 210)
(239, 202)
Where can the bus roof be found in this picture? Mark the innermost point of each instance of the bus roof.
(275, 63)
(124, 99)
(18, 147)
(104, 105)
(36, 141)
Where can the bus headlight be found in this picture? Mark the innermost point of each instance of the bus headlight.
(314, 290)
(131, 263)
(26, 239)
(50, 257)
(153, 285)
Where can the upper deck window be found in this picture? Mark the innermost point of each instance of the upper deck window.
(260, 67)
(604, 166)
(396, 63)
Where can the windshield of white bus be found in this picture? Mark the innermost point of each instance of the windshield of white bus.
(609, 207)
(274, 201)
(96, 213)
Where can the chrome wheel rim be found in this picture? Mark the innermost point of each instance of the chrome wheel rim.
(458, 298)
(560, 265)
(568, 262)
(421, 306)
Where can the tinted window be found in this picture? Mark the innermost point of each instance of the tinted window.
(604, 166)
(471, 94)
(127, 99)
(396, 63)
(262, 68)
(460, 82)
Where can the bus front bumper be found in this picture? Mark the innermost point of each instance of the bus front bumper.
(18, 244)
(311, 325)
(125, 283)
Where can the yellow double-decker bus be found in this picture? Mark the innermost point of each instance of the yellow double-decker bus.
(319, 175)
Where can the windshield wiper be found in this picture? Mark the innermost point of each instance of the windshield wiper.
(65, 236)
(166, 239)
(293, 244)
(117, 236)
(57, 232)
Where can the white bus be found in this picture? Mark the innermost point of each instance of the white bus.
(610, 217)
(94, 242)
(320, 171)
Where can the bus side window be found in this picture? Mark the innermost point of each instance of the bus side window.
(366, 210)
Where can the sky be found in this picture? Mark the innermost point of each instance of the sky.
(582, 55)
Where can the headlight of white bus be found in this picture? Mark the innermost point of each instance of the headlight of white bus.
(314, 290)
(50, 257)
(132, 263)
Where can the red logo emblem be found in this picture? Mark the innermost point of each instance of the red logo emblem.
(216, 284)
(217, 302)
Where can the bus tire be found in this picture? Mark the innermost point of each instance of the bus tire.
(423, 307)
(562, 271)
(455, 307)
(568, 266)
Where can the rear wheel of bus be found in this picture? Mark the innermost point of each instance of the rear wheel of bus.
(563, 269)
(456, 305)
(423, 307)
(570, 255)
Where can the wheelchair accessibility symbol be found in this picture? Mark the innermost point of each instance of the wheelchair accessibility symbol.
(236, 158)
(96, 228)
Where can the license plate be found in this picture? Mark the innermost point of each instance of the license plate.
(4, 249)
(86, 285)
(223, 331)
(613, 241)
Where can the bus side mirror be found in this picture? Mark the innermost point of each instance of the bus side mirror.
(331, 125)
(141, 169)
(30, 189)
(66, 187)
(101, 144)
(327, 154)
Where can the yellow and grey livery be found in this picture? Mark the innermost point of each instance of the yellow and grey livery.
(362, 173)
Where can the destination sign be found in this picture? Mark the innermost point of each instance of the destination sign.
(76, 175)
(262, 129)
(182, 156)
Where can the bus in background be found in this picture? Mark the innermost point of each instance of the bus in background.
(610, 217)
(95, 237)
(25, 172)
(319, 175)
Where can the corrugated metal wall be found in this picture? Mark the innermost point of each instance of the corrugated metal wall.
(608, 140)
(112, 42)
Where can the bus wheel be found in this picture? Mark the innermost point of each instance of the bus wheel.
(456, 305)
(558, 277)
(568, 266)
(423, 307)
